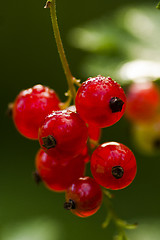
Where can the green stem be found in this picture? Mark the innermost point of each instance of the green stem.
(70, 79)
(120, 224)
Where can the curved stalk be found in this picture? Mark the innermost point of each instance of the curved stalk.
(120, 224)
(70, 79)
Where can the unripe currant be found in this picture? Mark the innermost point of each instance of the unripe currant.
(146, 136)
(100, 101)
(113, 165)
(59, 175)
(84, 197)
(31, 107)
(63, 134)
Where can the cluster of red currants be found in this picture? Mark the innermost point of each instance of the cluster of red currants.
(63, 136)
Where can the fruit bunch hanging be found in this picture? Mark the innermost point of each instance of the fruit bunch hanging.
(69, 135)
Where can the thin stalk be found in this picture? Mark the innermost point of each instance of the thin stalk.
(120, 224)
(70, 79)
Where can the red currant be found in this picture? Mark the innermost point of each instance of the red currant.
(63, 134)
(100, 101)
(142, 102)
(94, 134)
(30, 108)
(83, 197)
(58, 176)
(113, 165)
(85, 154)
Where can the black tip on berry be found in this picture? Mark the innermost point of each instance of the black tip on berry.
(117, 172)
(69, 205)
(156, 143)
(9, 111)
(49, 142)
(37, 177)
(116, 104)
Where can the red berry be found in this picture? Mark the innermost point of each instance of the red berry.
(85, 154)
(142, 102)
(58, 175)
(83, 197)
(63, 134)
(113, 165)
(30, 108)
(94, 134)
(100, 101)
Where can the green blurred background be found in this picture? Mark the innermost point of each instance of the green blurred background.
(28, 57)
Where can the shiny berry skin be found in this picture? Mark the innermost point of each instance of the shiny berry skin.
(59, 175)
(113, 165)
(63, 134)
(100, 101)
(72, 108)
(31, 107)
(84, 197)
(94, 132)
(142, 102)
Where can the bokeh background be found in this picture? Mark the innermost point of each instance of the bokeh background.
(99, 38)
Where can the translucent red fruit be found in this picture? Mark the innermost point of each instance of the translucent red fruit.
(83, 197)
(63, 134)
(59, 175)
(100, 101)
(94, 134)
(85, 154)
(30, 108)
(142, 102)
(113, 165)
